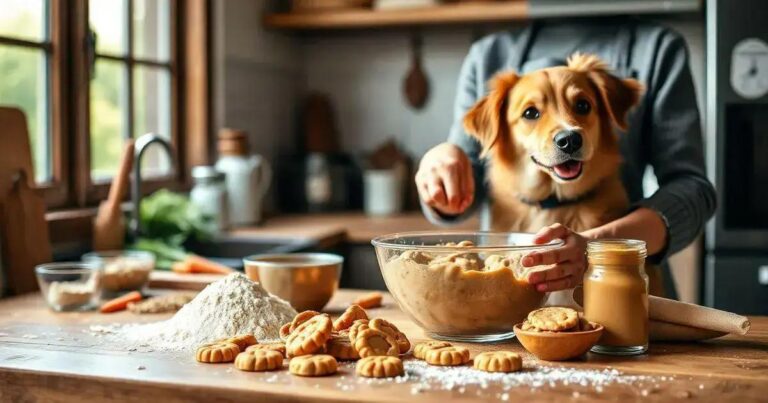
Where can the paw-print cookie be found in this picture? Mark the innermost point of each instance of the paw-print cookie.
(554, 318)
(498, 361)
(447, 356)
(217, 352)
(279, 347)
(357, 327)
(353, 313)
(313, 365)
(342, 349)
(380, 367)
(421, 348)
(403, 344)
(243, 341)
(371, 342)
(309, 337)
(259, 360)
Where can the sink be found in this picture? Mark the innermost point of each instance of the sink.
(230, 251)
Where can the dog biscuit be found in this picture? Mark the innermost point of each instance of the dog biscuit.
(259, 360)
(279, 347)
(498, 361)
(554, 318)
(313, 365)
(217, 352)
(243, 341)
(421, 348)
(353, 313)
(403, 344)
(357, 327)
(309, 337)
(342, 349)
(447, 356)
(371, 342)
(380, 367)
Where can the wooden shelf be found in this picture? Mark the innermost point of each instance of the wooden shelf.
(367, 18)
(473, 13)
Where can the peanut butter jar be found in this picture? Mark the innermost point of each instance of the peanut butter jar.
(616, 295)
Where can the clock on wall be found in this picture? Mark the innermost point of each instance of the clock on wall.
(749, 68)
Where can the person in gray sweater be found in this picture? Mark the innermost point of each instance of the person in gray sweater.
(664, 132)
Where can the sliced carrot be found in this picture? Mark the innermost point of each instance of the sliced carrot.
(199, 264)
(120, 303)
(181, 267)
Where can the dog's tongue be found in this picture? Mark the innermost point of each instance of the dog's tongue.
(568, 170)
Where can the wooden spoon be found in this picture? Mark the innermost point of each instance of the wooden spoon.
(109, 224)
(416, 85)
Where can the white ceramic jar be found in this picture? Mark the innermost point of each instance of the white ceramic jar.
(247, 178)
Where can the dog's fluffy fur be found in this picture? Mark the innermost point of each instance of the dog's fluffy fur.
(522, 154)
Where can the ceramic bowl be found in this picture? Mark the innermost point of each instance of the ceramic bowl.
(306, 280)
(459, 292)
(558, 346)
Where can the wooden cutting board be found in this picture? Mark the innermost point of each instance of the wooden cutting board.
(23, 229)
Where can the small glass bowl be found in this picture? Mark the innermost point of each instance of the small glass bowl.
(122, 270)
(69, 286)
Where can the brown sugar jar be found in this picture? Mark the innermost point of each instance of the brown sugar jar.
(616, 295)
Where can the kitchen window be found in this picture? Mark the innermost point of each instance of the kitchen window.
(32, 74)
(132, 73)
(89, 74)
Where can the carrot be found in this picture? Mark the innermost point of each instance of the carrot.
(199, 264)
(120, 303)
(180, 267)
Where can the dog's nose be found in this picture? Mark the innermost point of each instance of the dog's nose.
(569, 141)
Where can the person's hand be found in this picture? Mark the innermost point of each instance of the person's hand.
(563, 267)
(445, 181)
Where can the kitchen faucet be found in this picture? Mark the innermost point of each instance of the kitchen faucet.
(142, 143)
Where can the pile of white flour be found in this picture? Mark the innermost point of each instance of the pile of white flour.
(231, 306)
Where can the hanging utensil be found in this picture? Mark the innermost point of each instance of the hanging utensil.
(416, 84)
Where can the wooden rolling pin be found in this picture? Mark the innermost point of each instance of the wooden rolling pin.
(696, 316)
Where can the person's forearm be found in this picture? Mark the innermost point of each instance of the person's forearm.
(643, 224)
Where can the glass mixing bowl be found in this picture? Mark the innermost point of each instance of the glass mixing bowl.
(462, 286)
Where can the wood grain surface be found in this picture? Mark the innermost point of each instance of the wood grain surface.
(45, 356)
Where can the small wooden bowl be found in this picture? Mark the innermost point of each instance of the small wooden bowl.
(558, 346)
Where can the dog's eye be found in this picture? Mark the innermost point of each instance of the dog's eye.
(531, 113)
(582, 107)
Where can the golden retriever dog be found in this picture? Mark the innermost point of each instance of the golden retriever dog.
(549, 136)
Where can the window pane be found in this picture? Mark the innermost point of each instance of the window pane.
(23, 19)
(152, 112)
(109, 91)
(151, 28)
(23, 84)
(108, 19)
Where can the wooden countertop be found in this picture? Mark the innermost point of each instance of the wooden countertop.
(331, 228)
(52, 357)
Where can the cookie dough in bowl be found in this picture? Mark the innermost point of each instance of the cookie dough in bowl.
(463, 286)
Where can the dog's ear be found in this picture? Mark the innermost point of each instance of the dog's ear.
(486, 120)
(617, 95)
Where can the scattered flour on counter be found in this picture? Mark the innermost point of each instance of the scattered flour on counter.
(231, 306)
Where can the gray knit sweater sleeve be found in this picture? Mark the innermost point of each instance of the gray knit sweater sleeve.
(685, 198)
(469, 89)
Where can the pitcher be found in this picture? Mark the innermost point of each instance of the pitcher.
(247, 177)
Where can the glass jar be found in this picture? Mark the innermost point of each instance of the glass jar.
(616, 295)
(210, 195)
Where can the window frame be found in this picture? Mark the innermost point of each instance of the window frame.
(55, 191)
(88, 190)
